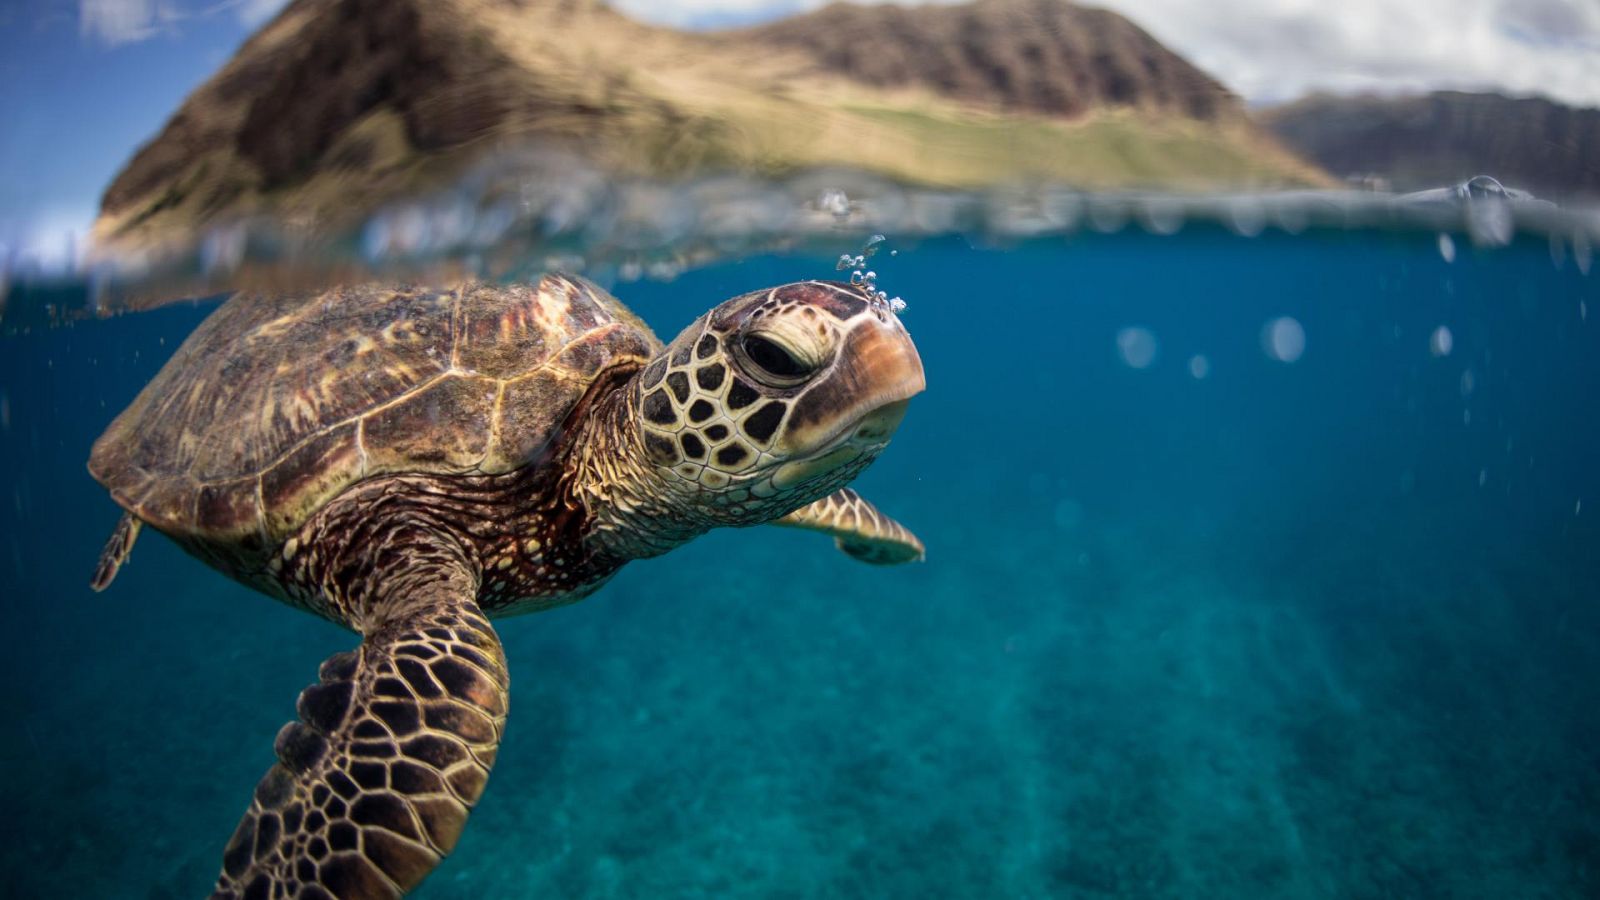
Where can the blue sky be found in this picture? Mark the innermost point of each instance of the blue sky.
(80, 98)
(87, 81)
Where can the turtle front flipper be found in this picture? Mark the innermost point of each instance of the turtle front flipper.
(374, 784)
(858, 529)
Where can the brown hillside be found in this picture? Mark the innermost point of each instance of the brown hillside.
(1035, 56)
(365, 87)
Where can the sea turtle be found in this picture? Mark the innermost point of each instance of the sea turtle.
(411, 462)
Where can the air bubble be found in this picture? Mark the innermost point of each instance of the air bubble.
(1283, 339)
(867, 279)
(1441, 342)
(1488, 212)
(1137, 347)
(1447, 247)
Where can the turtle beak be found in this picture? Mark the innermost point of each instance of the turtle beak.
(865, 396)
(887, 366)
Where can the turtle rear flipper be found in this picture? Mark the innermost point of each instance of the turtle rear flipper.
(374, 784)
(116, 552)
(858, 529)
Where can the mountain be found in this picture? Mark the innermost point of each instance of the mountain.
(1426, 141)
(337, 106)
(1029, 56)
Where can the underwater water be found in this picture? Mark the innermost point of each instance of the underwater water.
(1324, 622)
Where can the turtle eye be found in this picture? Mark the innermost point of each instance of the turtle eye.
(771, 359)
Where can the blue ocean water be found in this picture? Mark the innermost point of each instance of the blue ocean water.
(1327, 627)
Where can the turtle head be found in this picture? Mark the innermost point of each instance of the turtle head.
(775, 399)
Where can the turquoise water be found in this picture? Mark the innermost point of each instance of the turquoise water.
(1319, 628)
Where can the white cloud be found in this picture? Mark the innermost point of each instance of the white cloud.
(256, 12)
(115, 22)
(1272, 50)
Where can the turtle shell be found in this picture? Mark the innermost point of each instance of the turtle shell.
(275, 405)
